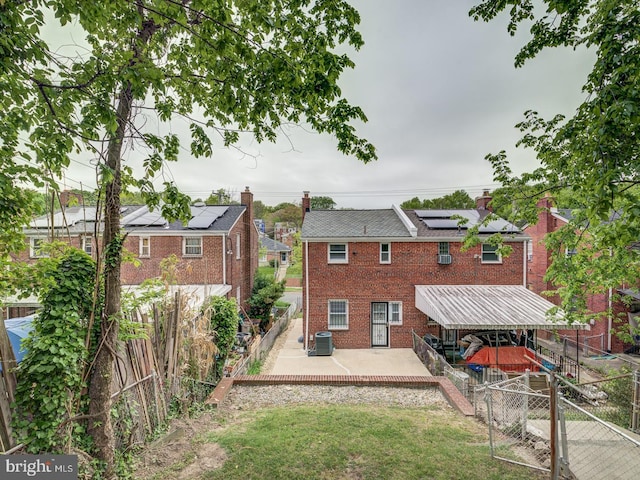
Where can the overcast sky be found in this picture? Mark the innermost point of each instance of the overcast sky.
(440, 92)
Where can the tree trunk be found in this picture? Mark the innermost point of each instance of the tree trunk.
(100, 427)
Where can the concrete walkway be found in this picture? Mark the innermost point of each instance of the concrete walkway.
(397, 367)
(281, 273)
(595, 451)
(293, 360)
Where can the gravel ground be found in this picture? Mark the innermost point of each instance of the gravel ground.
(244, 397)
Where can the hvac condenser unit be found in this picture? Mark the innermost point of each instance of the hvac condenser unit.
(324, 343)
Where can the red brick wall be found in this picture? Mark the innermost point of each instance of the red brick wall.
(364, 280)
(23, 256)
(241, 271)
(190, 270)
(539, 263)
(537, 268)
(207, 269)
(601, 328)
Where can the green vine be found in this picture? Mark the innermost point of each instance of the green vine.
(48, 394)
(113, 251)
(224, 319)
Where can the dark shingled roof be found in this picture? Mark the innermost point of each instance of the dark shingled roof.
(273, 245)
(386, 224)
(353, 224)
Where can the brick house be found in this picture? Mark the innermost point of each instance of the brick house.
(274, 251)
(283, 232)
(602, 335)
(372, 277)
(216, 252)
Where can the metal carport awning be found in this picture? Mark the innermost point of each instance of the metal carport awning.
(488, 307)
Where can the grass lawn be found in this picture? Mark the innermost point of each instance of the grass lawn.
(351, 442)
(267, 271)
(294, 271)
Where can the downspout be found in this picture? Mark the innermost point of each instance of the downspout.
(306, 296)
(224, 259)
(525, 260)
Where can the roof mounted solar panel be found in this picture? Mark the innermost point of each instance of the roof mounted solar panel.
(204, 216)
(144, 218)
(498, 226)
(70, 217)
(443, 223)
(434, 213)
(79, 214)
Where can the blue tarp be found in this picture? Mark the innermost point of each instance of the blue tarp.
(18, 328)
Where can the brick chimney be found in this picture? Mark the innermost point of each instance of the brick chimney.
(246, 199)
(67, 195)
(306, 203)
(546, 221)
(540, 259)
(249, 244)
(482, 202)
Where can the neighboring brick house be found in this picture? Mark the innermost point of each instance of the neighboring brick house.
(274, 250)
(217, 251)
(74, 225)
(371, 277)
(283, 232)
(602, 335)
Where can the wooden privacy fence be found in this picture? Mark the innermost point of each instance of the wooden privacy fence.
(174, 361)
(148, 373)
(7, 388)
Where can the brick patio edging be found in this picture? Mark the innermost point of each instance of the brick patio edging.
(446, 387)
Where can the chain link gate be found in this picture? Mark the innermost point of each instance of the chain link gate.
(515, 414)
(576, 445)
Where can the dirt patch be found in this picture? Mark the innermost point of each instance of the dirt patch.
(182, 453)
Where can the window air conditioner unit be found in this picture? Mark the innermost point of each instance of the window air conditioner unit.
(444, 259)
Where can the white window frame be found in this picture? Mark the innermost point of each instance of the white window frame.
(338, 256)
(87, 244)
(345, 323)
(385, 256)
(195, 250)
(444, 248)
(529, 250)
(238, 249)
(144, 251)
(34, 247)
(490, 252)
(395, 313)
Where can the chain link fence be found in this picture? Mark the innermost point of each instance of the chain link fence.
(593, 449)
(609, 399)
(514, 414)
(550, 432)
